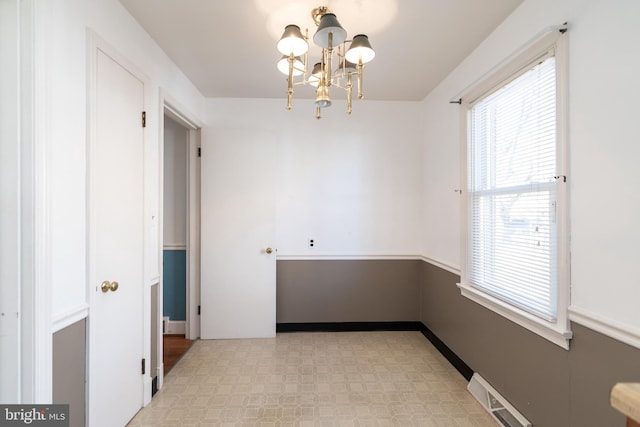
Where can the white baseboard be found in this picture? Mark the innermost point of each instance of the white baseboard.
(174, 327)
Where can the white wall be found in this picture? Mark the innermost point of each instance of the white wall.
(603, 142)
(352, 183)
(9, 199)
(605, 146)
(63, 62)
(63, 31)
(175, 184)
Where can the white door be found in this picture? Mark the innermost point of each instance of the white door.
(116, 239)
(238, 274)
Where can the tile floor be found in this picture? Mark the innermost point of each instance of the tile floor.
(315, 379)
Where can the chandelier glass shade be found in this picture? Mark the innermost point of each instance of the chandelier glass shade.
(293, 42)
(332, 39)
(298, 65)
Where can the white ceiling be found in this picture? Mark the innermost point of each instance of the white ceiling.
(228, 48)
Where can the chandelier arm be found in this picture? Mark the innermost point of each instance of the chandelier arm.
(359, 68)
(349, 85)
(329, 57)
(304, 72)
(300, 83)
(306, 58)
(324, 62)
(290, 79)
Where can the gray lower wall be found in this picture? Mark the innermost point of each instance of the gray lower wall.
(347, 291)
(69, 370)
(552, 387)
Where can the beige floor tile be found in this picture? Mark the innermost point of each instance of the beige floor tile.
(359, 379)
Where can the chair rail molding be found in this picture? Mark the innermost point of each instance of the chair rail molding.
(611, 328)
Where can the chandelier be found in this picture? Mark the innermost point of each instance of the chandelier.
(332, 38)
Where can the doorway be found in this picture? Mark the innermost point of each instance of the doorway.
(174, 241)
(174, 245)
(179, 299)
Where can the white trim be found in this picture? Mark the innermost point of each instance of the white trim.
(160, 375)
(36, 349)
(455, 269)
(351, 257)
(548, 39)
(344, 257)
(193, 237)
(147, 390)
(63, 320)
(611, 328)
(42, 218)
(553, 332)
(527, 45)
(174, 247)
(11, 147)
(175, 327)
(175, 115)
(177, 111)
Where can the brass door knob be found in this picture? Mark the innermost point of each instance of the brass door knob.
(109, 286)
(269, 250)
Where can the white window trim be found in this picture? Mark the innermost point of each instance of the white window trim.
(558, 331)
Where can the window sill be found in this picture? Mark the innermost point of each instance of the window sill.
(557, 333)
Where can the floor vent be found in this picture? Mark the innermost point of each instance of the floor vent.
(505, 414)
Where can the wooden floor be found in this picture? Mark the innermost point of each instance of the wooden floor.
(174, 347)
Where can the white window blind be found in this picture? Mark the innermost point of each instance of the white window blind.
(512, 163)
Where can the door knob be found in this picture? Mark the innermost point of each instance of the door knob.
(268, 250)
(109, 286)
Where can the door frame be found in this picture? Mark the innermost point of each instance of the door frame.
(172, 108)
(25, 251)
(94, 44)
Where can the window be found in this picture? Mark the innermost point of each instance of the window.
(515, 194)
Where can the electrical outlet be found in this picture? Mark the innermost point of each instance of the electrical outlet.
(311, 243)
